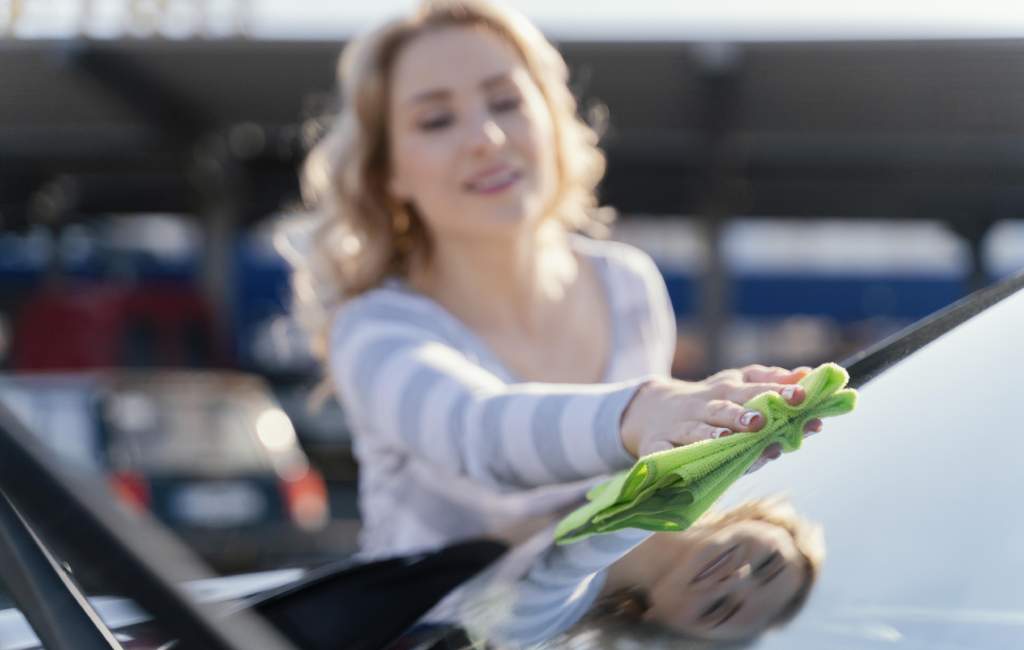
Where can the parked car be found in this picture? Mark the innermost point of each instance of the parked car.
(918, 491)
(210, 454)
(153, 324)
(321, 426)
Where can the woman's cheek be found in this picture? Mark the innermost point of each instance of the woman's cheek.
(669, 602)
(427, 164)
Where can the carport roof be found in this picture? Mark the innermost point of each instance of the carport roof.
(876, 128)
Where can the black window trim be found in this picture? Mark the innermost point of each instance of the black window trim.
(872, 361)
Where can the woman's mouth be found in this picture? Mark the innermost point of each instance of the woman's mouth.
(495, 182)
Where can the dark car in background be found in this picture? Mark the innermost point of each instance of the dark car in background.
(209, 454)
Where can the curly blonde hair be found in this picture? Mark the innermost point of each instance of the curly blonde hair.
(359, 233)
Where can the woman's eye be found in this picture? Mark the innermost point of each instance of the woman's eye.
(506, 104)
(715, 606)
(767, 563)
(769, 567)
(435, 123)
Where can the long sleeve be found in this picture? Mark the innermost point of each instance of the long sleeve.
(550, 588)
(402, 383)
(542, 590)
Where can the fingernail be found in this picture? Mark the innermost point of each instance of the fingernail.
(793, 394)
(774, 453)
(720, 433)
(812, 428)
(748, 418)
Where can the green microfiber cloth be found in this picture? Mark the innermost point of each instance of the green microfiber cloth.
(669, 490)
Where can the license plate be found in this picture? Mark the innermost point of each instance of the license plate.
(220, 505)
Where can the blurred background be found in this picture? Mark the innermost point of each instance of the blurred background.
(810, 177)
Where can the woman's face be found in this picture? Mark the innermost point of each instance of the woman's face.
(471, 135)
(731, 584)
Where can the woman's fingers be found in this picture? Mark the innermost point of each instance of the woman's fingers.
(729, 374)
(773, 374)
(687, 433)
(774, 451)
(813, 426)
(694, 431)
(741, 393)
(653, 446)
(730, 415)
(670, 414)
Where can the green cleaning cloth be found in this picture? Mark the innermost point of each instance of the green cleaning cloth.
(669, 490)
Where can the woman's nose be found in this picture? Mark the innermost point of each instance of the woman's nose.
(738, 583)
(485, 135)
(738, 576)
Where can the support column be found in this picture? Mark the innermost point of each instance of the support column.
(218, 181)
(719, 64)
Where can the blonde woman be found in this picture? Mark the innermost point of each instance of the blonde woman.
(493, 362)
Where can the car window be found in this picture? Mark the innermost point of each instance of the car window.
(918, 491)
(168, 431)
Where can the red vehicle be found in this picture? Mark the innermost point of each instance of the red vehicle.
(100, 326)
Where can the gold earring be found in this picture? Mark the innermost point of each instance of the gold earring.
(401, 227)
(400, 221)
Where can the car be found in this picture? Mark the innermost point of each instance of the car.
(321, 426)
(918, 491)
(154, 324)
(210, 454)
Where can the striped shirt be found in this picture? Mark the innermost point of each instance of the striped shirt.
(451, 445)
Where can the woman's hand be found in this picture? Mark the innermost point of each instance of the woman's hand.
(671, 413)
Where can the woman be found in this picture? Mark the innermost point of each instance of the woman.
(493, 363)
(730, 576)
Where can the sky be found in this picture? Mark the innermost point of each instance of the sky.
(614, 19)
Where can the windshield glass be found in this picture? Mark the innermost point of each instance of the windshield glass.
(918, 493)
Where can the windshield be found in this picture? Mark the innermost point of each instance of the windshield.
(919, 492)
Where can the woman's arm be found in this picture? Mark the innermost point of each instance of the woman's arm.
(558, 585)
(403, 384)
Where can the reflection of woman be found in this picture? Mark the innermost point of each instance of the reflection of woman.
(492, 363)
(730, 576)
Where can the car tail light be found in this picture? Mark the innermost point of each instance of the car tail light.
(131, 489)
(306, 499)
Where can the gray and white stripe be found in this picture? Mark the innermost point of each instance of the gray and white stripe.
(417, 385)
